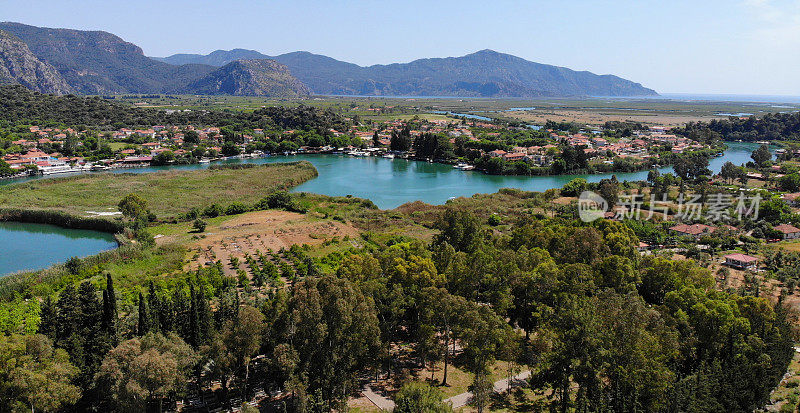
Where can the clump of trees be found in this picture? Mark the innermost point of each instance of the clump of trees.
(600, 327)
(769, 127)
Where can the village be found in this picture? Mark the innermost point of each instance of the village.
(468, 145)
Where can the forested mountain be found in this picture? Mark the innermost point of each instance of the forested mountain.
(19, 65)
(484, 73)
(260, 77)
(96, 62)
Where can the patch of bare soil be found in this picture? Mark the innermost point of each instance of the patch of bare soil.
(262, 231)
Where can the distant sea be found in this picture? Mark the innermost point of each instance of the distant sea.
(775, 99)
(727, 98)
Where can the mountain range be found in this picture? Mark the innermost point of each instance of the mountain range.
(95, 62)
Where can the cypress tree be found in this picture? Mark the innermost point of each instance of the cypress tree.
(194, 329)
(165, 315)
(144, 320)
(49, 321)
(67, 316)
(205, 320)
(154, 307)
(181, 313)
(110, 310)
(92, 335)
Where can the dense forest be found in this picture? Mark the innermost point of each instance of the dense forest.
(770, 127)
(601, 328)
(19, 105)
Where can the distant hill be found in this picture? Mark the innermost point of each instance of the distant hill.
(96, 62)
(483, 74)
(260, 77)
(217, 58)
(19, 66)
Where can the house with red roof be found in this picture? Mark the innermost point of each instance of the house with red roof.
(515, 156)
(792, 199)
(693, 230)
(741, 261)
(788, 231)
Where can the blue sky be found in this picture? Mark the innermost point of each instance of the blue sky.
(673, 46)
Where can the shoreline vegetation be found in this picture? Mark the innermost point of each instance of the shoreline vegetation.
(68, 200)
(266, 185)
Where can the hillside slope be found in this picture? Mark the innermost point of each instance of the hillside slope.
(216, 58)
(482, 74)
(96, 62)
(19, 66)
(260, 77)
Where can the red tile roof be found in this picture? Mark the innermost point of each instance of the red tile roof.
(695, 229)
(741, 258)
(787, 229)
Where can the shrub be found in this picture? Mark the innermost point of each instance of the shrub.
(213, 210)
(199, 225)
(236, 208)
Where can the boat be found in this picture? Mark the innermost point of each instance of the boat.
(388, 156)
(464, 167)
(204, 160)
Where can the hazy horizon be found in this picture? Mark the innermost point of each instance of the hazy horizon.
(743, 47)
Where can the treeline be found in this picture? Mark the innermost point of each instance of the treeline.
(61, 219)
(19, 105)
(769, 127)
(601, 327)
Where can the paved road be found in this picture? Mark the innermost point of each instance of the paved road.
(459, 400)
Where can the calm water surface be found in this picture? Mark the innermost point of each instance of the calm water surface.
(392, 182)
(387, 182)
(37, 246)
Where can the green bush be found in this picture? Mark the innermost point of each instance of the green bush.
(236, 208)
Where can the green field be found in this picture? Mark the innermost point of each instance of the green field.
(168, 193)
(501, 108)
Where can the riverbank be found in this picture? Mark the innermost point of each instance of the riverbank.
(169, 193)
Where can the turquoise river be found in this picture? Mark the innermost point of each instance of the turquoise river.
(387, 182)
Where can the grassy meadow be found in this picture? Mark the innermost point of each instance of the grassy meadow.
(168, 193)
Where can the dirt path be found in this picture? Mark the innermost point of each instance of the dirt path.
(383, 403)
(457, 401)
(461, 400)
